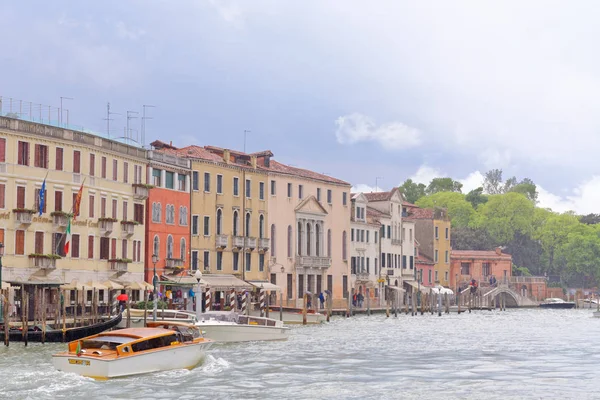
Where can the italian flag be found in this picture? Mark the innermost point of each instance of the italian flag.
(68, 240)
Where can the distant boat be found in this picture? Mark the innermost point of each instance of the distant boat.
(554, 302)
(229, 326)
(137, 317)
(34, 333)
(293, 315)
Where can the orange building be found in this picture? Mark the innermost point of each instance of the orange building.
(168, 217)
(479, 265)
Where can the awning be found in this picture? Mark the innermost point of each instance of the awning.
(113, 285)
(138, 286)
(265, 285)
(178, 280)
(76, 285)
(36, 280)
(97, 285)
(224, 282)
(416, 285)
(396, 288)
(442, 290)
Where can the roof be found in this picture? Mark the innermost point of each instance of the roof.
(371, 212)
(407, 204)
(194, 151)
(486, 254)
(381, 196)
(421, 213)
(275, 166)
(421, 259)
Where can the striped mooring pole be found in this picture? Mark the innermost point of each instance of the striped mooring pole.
(244, 305)
(207, 299)
(262, 302)
(232, 300)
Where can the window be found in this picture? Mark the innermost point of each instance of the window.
(59, 159)
(169, 247)
(195, 181)
(352, 235)
(273, 188)
(247, 225)
(289, 191)
(436, 276)
(38, 243)
(299, 237)
(273, 252)
(329, 196)
(300, 286)
(206, 226)
(181, 182)
(464, 268)
(344, 198)
(368, 236)
(183, 216)
(485, 269)
(289, 241)
(411, 260)
(103, 167)
(235, 223)
(3, 196)
(37, 199)
(248, 262)
(435, 258)
(138, 213)
(345, 286)
(236, 261)
(58, 200)
(156, 177)
(207, 182)
(261, 226)
(318, 240)
(344, 246)
(437, 236)
(194, 225)
(170, 214)
(169, 180)
(300, 191)
(92, 164)
(236, 186)
(90, 247)
(104, 248)
(446, 257)
(248, 188)
(318, 194)
(194, 260)
(20, 196)
(20, 242)
(329, 243)
(404, 263)
(219, 260)
(206, 260)
(261, 262)
(115, 169)
(446, 276)
(114, 208)
(125, 205)
(219, 222)
(124, 248)
(261, 190)
(102, 207)
(2, 150)
(156, 246)
(125, 172)
(156, 212)
(220, 184)
(447, 233)
(290, 286)
(376, 234)
(23, 153)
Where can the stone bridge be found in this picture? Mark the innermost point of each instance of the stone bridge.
(511, 298)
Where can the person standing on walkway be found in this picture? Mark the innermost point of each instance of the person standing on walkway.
(322, 300)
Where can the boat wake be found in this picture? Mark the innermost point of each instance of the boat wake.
(214, 365)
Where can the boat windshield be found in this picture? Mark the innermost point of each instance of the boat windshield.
(218, 316)
(105, 342)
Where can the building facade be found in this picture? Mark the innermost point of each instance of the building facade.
(479, 265)
(107, 237)
(433, 232)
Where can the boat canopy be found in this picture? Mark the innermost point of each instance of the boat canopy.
(265, 285)
(441, 290)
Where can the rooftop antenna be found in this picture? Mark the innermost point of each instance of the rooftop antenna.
(108, 119)
(377, 178)
(61, 109)
(144, 118)
(245, 132)
(129, 116)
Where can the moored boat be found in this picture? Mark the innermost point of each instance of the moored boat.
(554, 302)
(227, 326)
(294, 315)
(137, 317)
(159, 347)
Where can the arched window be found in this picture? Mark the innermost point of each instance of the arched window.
(219, 222)
(273, 240)
(308, 243)
(344, 249)
(170, 246)
(156, 246)
(318, 240)
(261, 226)
(235, 223)
(182, 215)
(289, 241)
(247, 227)
(299, 236)
(329, 243)
(182, 249)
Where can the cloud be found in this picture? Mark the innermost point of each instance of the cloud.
(362, 188)
(230, 12)
(356, 128)
(425, 174)
(584, 199)
(472, 181)
(125, 32)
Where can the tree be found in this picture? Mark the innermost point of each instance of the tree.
(590, 219)
(529, 190)
(476, 197)
(492, 182)
(465, 238)
(582, 253)
(459, 210)
(552, 235)
(412, 191)
(443, 185)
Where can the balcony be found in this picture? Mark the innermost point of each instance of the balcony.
(263, 244)
(396, 242)
(174, 263)
(119, 264)
(106, 225)
(23, 215)
(44, 261)
(251, 242)
(222, 241)
(127, 227)
(313, 262)
(59, 218)
(238, 242)
(140, 191)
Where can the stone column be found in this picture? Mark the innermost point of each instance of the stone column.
(187, 183)
(148, 176)
(163, 179)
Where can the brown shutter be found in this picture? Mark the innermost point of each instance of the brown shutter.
(90, 247)
(92, 164)
(2, 196)
(39, 243)
(77, 161)
(103, 207)
(139, 252)
(2, 235)
(115, 169)
(36, 159)
(104, 167)
(114, 208)
(59, 159)
(124, 211)
(75, 246)
(91, 206)
(2, 150)
(124, 248)
(20, 242)
(113, 252)
(20, 196)
(125, 172)
(57, 201)
(135, 174)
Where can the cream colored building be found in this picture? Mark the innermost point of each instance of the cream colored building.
(108, 235)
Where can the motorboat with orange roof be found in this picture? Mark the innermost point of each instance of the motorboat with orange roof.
(161, 346)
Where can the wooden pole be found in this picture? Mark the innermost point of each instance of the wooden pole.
(26, 321)
(248, 304)
(128, 305)
(281, 306)
(387, 303)
(329, 306)
(43, 315)
(267, 305)
(304, 309)
(6, 320)
(145, 306)
(368, 301)
(423, 301)
(64, 314)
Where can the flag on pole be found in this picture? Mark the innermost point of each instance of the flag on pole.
(77, 202)
(42, 198)
(68, 239)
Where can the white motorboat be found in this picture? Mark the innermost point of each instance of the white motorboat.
(554, 302)
(161, 346)
(228, 326)
(294, 315)
(137, 317)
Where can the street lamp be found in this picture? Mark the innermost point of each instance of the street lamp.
(154, 282)
(198, 276)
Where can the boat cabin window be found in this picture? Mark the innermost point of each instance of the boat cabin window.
(154, 343)
(104, 342)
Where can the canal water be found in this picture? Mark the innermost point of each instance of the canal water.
(487, 354)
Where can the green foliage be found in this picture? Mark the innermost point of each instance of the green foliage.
(520, 271)
(493, 184)
(443, 185)
(459, 210)
(412, 191)
(504, 215)
(476, 197)
(590, 219)
(149, 305)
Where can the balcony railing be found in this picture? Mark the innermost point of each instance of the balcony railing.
(127, 229)
(60, 220)
(313, 262)
(238, 241)
(251, 242)
(106, 227)
(119, 265)
(264, 243)
(396, 242)
(173, 263)
(23, 216)
(222, 241)
(140, 191)
(43, 261)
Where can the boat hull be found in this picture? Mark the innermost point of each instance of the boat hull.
(169, 358)
(558, 305)
(228, 333)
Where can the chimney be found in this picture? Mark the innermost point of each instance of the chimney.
(253, 161)
(226, 156)
(498, 251)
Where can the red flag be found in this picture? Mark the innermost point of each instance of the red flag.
(77, 203)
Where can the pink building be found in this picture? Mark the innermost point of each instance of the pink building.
(426, 267)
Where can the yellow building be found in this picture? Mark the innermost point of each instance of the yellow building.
(228, 212)
(432, 231)
(107, 240)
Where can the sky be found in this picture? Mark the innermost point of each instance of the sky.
(369, 92)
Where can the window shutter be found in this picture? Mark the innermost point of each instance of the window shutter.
(75, 246)
(92, 164)
(104, 167)
(20, 196)
(59, 159)
(77, 161)
(57, 201)
(2, 196)
(39, 243)
(20, 242)
(2, 150)
(90, 247)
